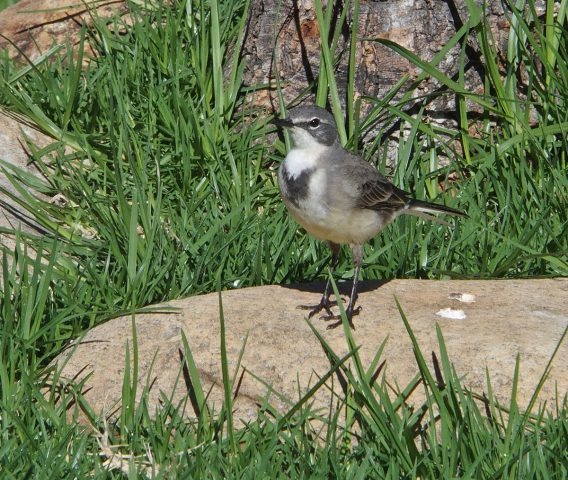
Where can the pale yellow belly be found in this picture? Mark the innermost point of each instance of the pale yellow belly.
(330, 224)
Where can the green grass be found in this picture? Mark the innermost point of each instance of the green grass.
(7, 3)
(169, 188)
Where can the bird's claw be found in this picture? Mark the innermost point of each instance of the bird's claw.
(325, 304)
(315, 309)
(350, 313)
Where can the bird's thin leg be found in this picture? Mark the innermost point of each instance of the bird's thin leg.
(325, 303)
(351, 311)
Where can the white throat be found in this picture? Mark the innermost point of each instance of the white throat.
(305, 153)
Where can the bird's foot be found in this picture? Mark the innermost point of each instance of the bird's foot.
(350, 312)
(325, 304)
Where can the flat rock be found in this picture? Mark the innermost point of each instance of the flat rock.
(505, 319)
(31, 27)
(15, 132)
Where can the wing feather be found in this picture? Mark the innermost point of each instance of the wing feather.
(375, 191)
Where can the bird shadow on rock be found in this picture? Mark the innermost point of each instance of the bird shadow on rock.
(343, 286)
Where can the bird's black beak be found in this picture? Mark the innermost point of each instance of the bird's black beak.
(283, 122)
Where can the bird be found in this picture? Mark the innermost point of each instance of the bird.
(338, 197)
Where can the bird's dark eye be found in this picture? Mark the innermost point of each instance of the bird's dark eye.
(315, 122)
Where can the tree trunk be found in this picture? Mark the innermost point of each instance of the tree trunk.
(283, 39)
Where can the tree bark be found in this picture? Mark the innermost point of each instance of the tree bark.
(283, 39)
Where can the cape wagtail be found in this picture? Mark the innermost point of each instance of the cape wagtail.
(337, 196)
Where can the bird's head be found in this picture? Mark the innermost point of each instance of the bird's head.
(310, 126)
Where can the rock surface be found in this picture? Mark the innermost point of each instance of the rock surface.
(525, 317)
(15, 132)
(34, 26)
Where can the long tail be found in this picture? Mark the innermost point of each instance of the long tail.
(428, 210)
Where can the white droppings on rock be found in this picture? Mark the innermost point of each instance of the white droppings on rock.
(462, 297)
(452, 314)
